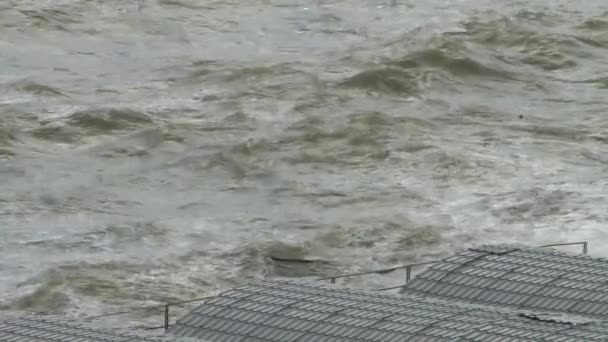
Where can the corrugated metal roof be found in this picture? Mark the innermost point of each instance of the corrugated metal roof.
(299, 312)
(537, 279)
(51, 330)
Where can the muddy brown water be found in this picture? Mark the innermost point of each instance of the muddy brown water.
(160, 150)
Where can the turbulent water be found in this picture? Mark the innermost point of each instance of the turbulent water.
(159, 150)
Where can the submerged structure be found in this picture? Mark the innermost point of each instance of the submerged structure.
(288, 311)
(487, 293)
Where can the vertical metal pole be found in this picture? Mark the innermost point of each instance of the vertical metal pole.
(585, 247)
(333, 280)
(166, 317)
(408, 274)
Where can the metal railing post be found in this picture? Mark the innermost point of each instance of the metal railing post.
(585, 247)
(166, 317)
(408, 274)
(333, 280)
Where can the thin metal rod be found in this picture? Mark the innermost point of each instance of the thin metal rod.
(333, 278)
(389, 288)
(124, 312)
(167, 317)
(564, 244)
(190, 300)
(379, 271)
(584, 243)
(149, 328)
(408, 274)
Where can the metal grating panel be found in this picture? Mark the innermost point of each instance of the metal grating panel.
(40, 329)
(333, 314)
(519, 277)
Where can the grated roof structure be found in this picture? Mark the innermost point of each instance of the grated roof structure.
(300, 312)
(519, 277)
(47, 330)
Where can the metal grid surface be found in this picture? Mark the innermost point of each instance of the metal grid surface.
(39, 329)
(300, 312)
(537, 279)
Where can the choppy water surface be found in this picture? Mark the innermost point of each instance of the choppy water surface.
(167, 149)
